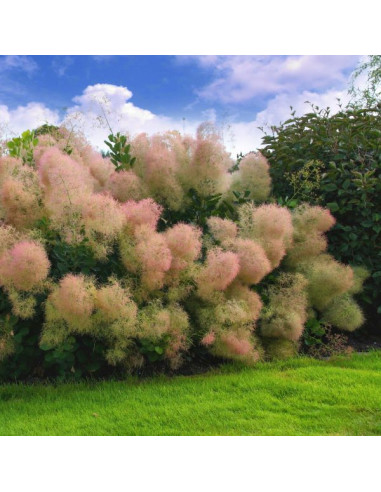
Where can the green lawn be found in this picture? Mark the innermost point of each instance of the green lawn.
(296, 397)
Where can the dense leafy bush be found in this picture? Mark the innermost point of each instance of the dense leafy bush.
(161, 250)
(336, 160)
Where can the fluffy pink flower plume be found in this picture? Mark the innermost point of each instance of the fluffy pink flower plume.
(272, 222)
(241, 292)
(253, 175)
(153, 255)
(99, 168)
(254, 264)
(208, 168)
(8, 165)
(314, 218)
(220, 270)
(24, 266)
(275, 251)
(101, 213)
(235, 345)
(208, 339)
(222, 229)
(310, 224)
(139, 148)
(271, 226)
(20, 205)
(74, 299)
(160, 161)
(114, 303)
(44, 142)
(126, 185)
(65, 183)
(184, 241)
(60, 174)
(146, 212)
(160, 178)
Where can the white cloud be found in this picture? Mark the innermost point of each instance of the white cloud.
(241, 78)
(34, 114)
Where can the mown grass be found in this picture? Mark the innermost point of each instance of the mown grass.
(302, 396)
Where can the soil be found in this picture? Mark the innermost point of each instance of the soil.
(364, 343)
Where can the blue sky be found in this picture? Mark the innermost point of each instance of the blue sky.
(158, 93)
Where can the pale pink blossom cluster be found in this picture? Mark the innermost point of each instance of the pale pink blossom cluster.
(310, 224)
(271, 226)
(253, 176)
(143, 212)
(24, 267)
(220, 269)
(184, 242)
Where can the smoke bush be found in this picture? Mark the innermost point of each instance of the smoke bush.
(344, 313)
(115, 319)
(8, 237)
(222, 229)
(253, 175)
(135, 264)
(8, 167)
(167, 326)
(160, 175)
(220, 269)
(286, 312)
(144, 212)
(21, 207)
(126, 185)
(184, 242)
(100, 169)
(327, 279)
(237, 345)
(309, 223)
(103, 219)
(207, 172)
(153, 256)
(74, 301)
(254, 264)
(271, 226)
(241, 292)
(24, 267)
(23, 303)
(360, 274)
(280, 348)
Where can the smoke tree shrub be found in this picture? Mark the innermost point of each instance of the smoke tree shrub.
(106, 265)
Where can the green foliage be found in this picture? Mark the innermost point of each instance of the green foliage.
(335, 160)
(22, 147)
(154, 352)
(76, 258)
(120, 152)
(47, 129)
(314, 332)
(201, 208)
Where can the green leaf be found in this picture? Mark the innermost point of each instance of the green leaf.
(333, 206)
